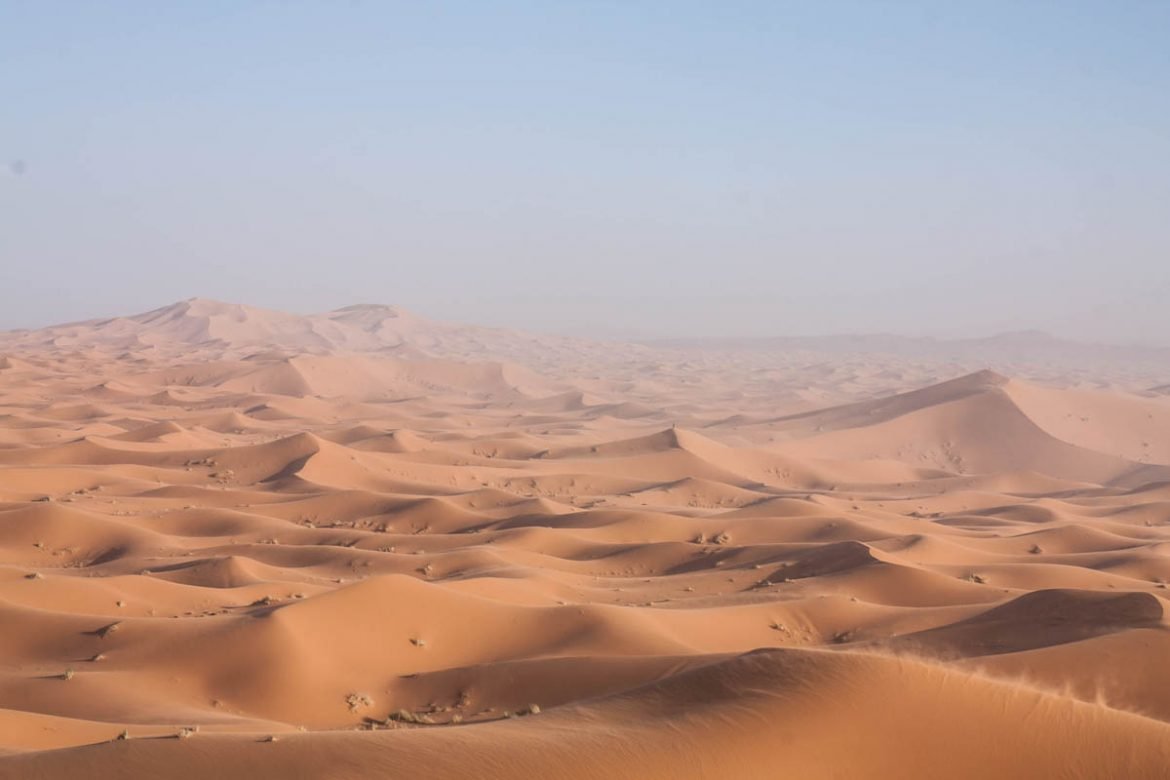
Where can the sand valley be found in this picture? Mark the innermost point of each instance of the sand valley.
(238, 543)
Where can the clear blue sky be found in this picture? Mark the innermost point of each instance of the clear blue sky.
(646, 168)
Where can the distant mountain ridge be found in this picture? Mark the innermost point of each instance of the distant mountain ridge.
(376, 327)
(808, 371)
(1022, 346)
(235, 329)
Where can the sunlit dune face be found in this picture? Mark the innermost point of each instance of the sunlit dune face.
(576, 560)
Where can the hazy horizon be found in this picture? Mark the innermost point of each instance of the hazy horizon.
(617, 170)
(630, 337)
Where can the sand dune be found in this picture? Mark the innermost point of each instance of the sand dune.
(778, 712)
(976, 424)
(365, 544)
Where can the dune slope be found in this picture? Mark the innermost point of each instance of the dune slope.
(237, 543)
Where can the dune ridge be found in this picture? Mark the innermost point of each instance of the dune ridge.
(243, 543)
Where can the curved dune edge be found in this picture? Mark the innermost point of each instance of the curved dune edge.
(809, 714)
(333, 529)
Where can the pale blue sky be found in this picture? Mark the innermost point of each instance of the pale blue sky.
(642, 168)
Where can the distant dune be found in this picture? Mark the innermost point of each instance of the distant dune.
(238, 543)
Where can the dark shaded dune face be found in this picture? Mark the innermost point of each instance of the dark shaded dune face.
(1039, 619)
(831, 558)
(365, 545)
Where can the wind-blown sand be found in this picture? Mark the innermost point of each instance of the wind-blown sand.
(366, 545)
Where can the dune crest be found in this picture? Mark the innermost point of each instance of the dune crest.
(241, 543)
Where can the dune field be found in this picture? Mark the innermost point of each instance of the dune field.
(237, 543)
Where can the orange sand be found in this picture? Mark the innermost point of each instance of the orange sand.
(363, 544)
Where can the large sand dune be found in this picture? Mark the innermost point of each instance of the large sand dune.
(247, 544)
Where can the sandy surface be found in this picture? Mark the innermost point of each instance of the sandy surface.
(237, 543)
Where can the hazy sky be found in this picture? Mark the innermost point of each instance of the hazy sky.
(620, 167)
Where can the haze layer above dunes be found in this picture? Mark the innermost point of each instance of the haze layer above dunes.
(251, 544)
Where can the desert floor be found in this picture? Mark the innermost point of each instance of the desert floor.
(243, 544)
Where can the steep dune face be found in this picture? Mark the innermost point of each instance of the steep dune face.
(976, 425)
(364, 544)
(1120, 424)
(1041, 619)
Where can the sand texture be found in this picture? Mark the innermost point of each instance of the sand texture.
(237, 543)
